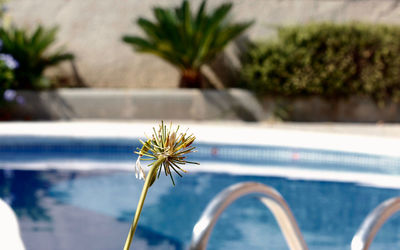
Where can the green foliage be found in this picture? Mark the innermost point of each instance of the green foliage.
(6, 73)
(6, 76)
(30, 50)
(185, 39)
(330, 60)
(6, 79)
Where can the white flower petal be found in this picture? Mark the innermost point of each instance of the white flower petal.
(137, 167)
(136, 173)
(139, 173)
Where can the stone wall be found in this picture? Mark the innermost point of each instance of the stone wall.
(92, 29)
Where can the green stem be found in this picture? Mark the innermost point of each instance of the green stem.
(146, 186)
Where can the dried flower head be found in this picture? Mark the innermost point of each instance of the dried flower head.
(167, 148)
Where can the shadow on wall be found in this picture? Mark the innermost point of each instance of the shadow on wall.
(79, 81)
(68, 76)
(227, 65)
(226, 73)
(231, 105)
(37, 105)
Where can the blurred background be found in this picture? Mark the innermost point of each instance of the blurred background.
(300, 95)
(257, 60)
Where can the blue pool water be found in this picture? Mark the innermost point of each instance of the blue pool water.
(65, 209)
(98, 207)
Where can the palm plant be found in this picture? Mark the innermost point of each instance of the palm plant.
(30, 50)
(185, 39)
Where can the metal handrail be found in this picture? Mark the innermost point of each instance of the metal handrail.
(268, 196)
(365, 235)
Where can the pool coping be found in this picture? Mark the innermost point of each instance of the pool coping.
(226, 132)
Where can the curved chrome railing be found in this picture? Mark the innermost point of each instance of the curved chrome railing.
(363, 238)
(269, 196)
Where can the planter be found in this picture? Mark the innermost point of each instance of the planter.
(317, 109)
(193, 104)
(168, 104)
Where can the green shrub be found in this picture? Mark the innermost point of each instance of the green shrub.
(7, 63)
(6, 77)
(329, 60)
(187, 40)
(30, 50)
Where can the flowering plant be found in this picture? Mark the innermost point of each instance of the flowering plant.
(31, 48)
(167, 149)
(7, 66)
(6, 73)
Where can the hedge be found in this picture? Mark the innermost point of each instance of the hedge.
(328, 60)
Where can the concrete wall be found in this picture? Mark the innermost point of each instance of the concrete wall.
(92, 29)
(317, 109)
(122, 104)
(192, 104)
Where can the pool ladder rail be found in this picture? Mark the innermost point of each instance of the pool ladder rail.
(267, 195)
(273, 200)
(372, 223)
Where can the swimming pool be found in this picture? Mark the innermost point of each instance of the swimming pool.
(61, 207)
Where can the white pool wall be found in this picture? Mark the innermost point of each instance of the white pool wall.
(224, 133)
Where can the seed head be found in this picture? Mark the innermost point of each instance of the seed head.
(168, 146)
